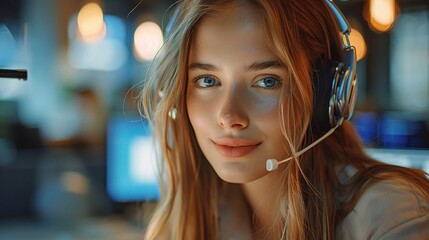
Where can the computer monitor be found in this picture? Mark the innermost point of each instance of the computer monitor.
(131, 164)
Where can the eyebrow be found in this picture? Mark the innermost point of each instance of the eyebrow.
(203, 66)
(264, 65)
(260, 65)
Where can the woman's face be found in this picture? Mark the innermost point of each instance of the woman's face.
(233, 91)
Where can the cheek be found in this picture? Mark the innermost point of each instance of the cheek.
(267, 104)
(199, 113)
(267, 118)
(266, 109)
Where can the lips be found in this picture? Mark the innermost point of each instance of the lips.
(234, 147)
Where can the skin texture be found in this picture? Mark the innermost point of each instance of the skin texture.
(233, 95)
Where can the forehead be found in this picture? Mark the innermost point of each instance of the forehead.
(233, 14)
(236, 28)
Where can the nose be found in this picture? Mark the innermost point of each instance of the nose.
(233, 112)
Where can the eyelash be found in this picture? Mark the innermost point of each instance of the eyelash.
(277, 84)
(196, 79)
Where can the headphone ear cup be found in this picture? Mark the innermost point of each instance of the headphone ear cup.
(325, 80)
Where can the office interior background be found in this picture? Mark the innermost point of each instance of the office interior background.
(76, 158)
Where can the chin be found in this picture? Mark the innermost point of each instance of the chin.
(239, 174)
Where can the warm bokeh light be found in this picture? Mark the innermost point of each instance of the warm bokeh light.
(90, 22)
(382, 14)
(107, 54)
(357, 40)
(148, 39)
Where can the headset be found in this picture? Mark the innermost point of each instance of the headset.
(334, 88)
(335, 83)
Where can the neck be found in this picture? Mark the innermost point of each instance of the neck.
(261, 195)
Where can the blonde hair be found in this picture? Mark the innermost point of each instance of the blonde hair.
(302, 33)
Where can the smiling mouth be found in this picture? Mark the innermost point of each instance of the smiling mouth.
(235, 151)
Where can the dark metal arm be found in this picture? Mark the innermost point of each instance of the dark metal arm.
(19, 74)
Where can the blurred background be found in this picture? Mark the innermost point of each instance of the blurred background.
(76, 158)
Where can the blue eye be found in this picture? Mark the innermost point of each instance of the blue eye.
(268, 82)
(206, 82)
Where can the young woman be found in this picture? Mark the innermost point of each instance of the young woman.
(235, 84)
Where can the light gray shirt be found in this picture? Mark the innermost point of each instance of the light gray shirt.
(388, 210)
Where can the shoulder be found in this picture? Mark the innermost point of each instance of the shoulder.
(389, 209)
